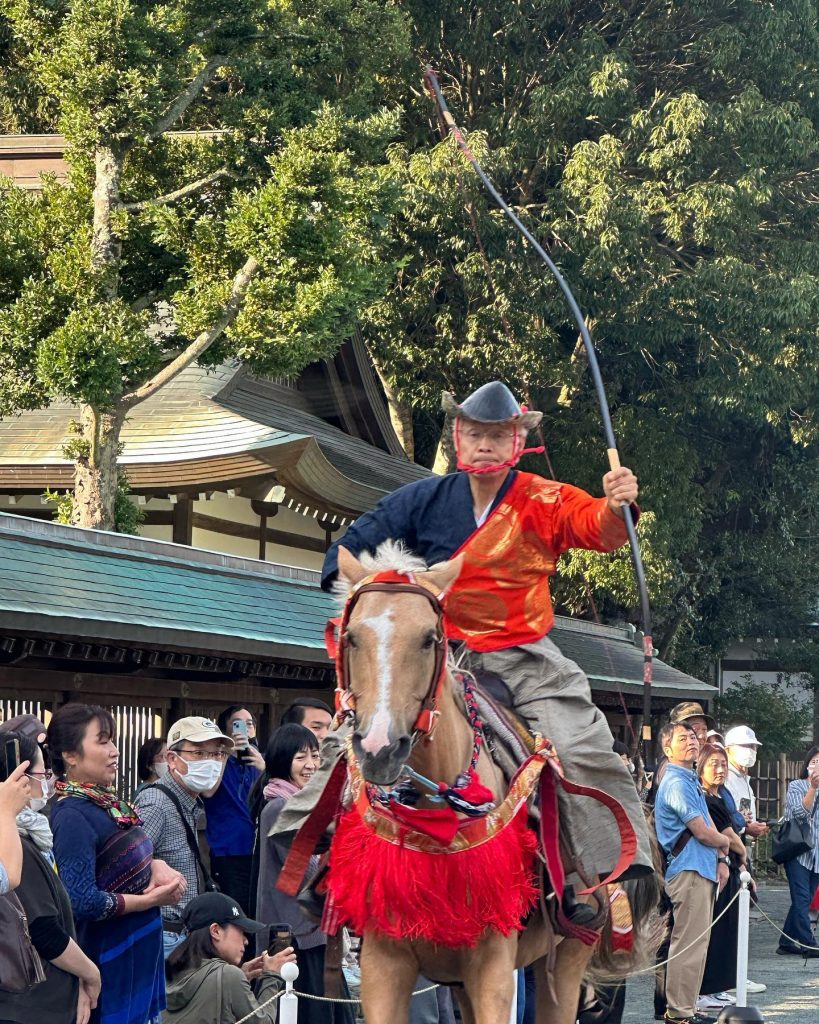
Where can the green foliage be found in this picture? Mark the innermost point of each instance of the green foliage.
(780, 720)
(666, 155)
(202, 139)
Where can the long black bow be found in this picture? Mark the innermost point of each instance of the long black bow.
(431, 80)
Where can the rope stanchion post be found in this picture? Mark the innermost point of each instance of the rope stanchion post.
(289, 1001)
(742, 1013)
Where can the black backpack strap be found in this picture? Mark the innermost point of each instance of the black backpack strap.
(208, 883)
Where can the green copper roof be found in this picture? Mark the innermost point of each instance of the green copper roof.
(87, 584)
(210, 428)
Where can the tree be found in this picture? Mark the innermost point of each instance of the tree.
(666, 154)
(226, 197)
(780, 720)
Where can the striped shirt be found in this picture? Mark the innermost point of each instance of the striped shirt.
(794, 808)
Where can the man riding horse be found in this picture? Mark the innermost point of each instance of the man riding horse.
(511, 528)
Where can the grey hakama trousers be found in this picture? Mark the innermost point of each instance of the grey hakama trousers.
(553, 696)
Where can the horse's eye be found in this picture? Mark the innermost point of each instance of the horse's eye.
(428, 642)
(350, 638)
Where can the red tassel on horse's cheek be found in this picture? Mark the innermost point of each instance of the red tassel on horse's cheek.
(474, 792)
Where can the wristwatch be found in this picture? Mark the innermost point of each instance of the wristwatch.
(724, 860)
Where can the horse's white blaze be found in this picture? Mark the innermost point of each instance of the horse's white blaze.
(378, 735)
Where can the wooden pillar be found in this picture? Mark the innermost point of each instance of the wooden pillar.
(264, 510)
(183, 521)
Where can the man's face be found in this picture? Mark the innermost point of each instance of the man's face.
(683, 747)
(700, 727)
(317, 721)
(485, 444)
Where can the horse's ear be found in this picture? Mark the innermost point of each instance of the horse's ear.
(444, 574)
(349, 567)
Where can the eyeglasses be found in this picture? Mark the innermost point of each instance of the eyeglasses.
(45, 776)
(495, 434)
(204, 755)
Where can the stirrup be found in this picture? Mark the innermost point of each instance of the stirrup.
(312, 896)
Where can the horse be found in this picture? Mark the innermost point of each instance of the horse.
(393, 650)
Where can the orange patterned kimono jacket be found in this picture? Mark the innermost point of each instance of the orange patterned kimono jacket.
(501, 598)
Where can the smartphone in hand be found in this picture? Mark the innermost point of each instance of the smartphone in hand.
(11, 753)
(281, 936)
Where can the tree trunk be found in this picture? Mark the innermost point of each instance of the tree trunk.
(400, 413)
(445, 461)
(95, 470)
(105, 243)
(670, 633)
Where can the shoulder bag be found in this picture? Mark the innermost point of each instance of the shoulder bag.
(790, 839)
(208, 884)
(20, 965)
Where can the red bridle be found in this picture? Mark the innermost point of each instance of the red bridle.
(339, 648)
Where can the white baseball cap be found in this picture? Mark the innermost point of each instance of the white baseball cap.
(741, 736)
(197, 730)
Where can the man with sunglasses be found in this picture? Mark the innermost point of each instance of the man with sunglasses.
(171, 809)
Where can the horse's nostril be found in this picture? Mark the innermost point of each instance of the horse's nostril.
(402, 747)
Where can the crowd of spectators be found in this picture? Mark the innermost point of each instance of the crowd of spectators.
(141, 910)
(161, 908)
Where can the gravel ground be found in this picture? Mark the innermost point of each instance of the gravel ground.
(793, 984)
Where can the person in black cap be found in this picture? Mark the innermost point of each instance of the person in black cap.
(510, 527)
(207, 983)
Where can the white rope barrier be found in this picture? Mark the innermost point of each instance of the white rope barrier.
(773, 924)
(307, 995)
(656, 967)
(327, 999)
(261, 1006)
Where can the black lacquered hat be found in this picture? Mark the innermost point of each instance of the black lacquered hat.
(491, 403)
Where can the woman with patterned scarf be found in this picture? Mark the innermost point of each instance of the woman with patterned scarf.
(72, 981)
(105, 860)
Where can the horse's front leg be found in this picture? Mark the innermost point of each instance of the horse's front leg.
(489, 978)
(388, 973)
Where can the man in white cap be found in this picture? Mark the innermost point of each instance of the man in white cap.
(171, 809)
(511, 527)
(741, 746)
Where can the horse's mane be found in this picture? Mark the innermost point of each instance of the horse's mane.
(389, 555)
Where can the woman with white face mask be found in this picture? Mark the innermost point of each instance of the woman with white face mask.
(72, 982)
(152, 764)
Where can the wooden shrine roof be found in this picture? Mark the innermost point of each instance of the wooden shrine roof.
(215, 428)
